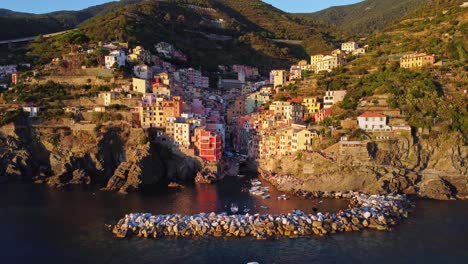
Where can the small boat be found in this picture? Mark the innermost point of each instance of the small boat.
(263, 207)
(246, 210)
(266, 196)
(258, 193)
(234, 208)
(320, 202)
(283, 197)
(240, 176)
(255, 188)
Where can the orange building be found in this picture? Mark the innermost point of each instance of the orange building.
(14, 78)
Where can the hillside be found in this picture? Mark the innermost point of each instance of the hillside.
(27, 25)
(210, 32)
(429, 98)
(365, 17)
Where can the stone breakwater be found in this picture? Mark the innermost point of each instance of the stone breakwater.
(380, 212)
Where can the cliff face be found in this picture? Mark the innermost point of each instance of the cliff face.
(115, 156)
(431, 167)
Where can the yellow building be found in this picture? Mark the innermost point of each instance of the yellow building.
(328, 63)
(416, 60)
(311, 105)
(278, 77)
(141, 85)
(278, 142)
(164, 78)
(302, 139)
(182, 134)
(316, 59)
(156, 114)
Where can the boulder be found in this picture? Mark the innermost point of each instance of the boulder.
(435, 188)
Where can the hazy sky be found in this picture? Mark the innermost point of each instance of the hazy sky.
(44, 6)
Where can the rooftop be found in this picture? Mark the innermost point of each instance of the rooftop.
(371, 114)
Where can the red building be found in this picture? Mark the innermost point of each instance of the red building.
(322, 114)
(209, 145)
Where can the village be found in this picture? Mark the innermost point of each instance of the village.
(235, 117)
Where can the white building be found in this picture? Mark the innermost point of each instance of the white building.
(32, 110)
(107, 97)
(115, 57)
(143, 72)
(333, 97)
(373, 122)
(165, 49)
(359, 52)
(349, 46)
(295, 73)
(294, 112)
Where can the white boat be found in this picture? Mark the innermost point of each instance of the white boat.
(283, 197)
(234, 208)
(266, 196)
(240, 176)
(263, 207)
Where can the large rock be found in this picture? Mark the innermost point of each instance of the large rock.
(435, 188)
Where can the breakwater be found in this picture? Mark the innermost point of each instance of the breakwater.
(380, 212)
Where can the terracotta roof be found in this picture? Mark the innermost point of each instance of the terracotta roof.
(371, 114)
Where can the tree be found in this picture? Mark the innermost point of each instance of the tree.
(100, 54)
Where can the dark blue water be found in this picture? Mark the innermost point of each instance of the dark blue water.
(41, 225)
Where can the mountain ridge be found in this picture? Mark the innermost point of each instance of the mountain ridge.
(355, 19)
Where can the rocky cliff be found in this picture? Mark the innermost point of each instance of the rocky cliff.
(431, 167)
(114, 156)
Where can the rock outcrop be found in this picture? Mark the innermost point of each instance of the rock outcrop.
(115, 156)
(432, 168)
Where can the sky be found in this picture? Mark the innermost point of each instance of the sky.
(44, 6)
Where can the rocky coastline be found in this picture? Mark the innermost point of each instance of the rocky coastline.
(380, 212)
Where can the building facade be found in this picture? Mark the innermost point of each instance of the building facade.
(333, 97)
(370, 121)
(416, 60)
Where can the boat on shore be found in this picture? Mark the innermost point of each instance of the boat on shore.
(283, 197)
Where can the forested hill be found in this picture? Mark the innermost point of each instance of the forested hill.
(18, 25)
(213, 32)
(366, 17)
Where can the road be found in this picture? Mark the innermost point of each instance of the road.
(27, 39)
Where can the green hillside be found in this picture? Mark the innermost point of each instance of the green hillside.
(28, 25)
(365, 17)
(430, 98)
(244, 37)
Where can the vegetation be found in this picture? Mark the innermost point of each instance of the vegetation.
(39, 94)
(428, 97)
(364, 18)
(29, 25)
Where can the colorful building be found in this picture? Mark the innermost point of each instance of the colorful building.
(208, 144)
(311, 105)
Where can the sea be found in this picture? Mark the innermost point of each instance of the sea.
(44, 225)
